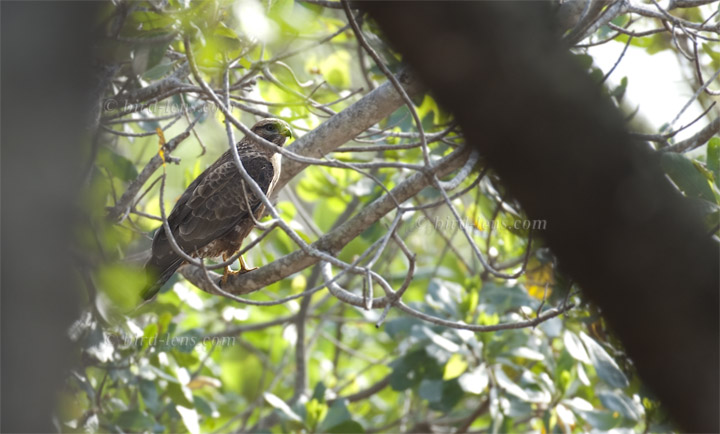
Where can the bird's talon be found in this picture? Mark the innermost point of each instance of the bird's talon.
(244, 267)
(228, 272)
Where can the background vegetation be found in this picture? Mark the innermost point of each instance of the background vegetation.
(488, 335)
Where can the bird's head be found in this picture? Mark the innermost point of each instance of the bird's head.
(273, 130)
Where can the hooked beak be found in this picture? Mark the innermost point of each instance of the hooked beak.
(286, 131)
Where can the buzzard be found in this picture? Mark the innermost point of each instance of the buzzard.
(215, 213)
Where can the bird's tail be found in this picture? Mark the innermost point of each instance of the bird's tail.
(157, 274)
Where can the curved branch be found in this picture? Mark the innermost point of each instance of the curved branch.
(698, 139)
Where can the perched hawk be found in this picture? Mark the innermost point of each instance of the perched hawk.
(213, 215)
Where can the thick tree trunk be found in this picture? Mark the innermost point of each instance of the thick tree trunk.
(46, 86)
(615, 223)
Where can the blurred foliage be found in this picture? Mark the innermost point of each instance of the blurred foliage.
(190, 361)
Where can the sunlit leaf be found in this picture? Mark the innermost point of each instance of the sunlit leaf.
(605, 366)
(316, 412)
(281, 406)
(574, 346)
(475, 381)
(190, 419)
(454, 367)
(97, 344)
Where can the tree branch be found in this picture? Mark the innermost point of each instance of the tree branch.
(348, 124)
(698, 139)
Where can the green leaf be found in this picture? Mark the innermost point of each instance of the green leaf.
(619, 92)
(158, 70)
(225, 31)
(598, 419)
(339, 420)
(319, 392)
(713, 158)
(186, 341)
(429, 106)
(149, 20)
(203, 406)
(469, 304)
(431, 390)
(400, 326)
(452, 393)
(618, 402)
(714, 55)
(180, 395)
(245, 63)
(658, 43)
(336, 69)
(135, 420)
(117, 165)
(412, 368)
(500, 299)
(149, 334)
(597, 75)
(584, 60)
(686, 176)
(148, 391)
(445, 296)
(402, 377)
(227, 40)
(605, 366)
(162, 374)
(315, 411)
(347, 427)
(508, 385)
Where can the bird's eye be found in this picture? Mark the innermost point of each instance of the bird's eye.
(270, 127)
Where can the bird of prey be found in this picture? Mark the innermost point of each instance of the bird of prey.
(215, 213)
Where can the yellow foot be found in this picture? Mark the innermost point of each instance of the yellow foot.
(226, 274)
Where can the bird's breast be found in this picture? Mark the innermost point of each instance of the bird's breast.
(277, 165)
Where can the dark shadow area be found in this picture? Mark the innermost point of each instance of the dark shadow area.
(618, 227)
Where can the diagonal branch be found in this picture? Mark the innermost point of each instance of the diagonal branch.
(122, 207)
(336, 239)
(346, 125)
(699, 139)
